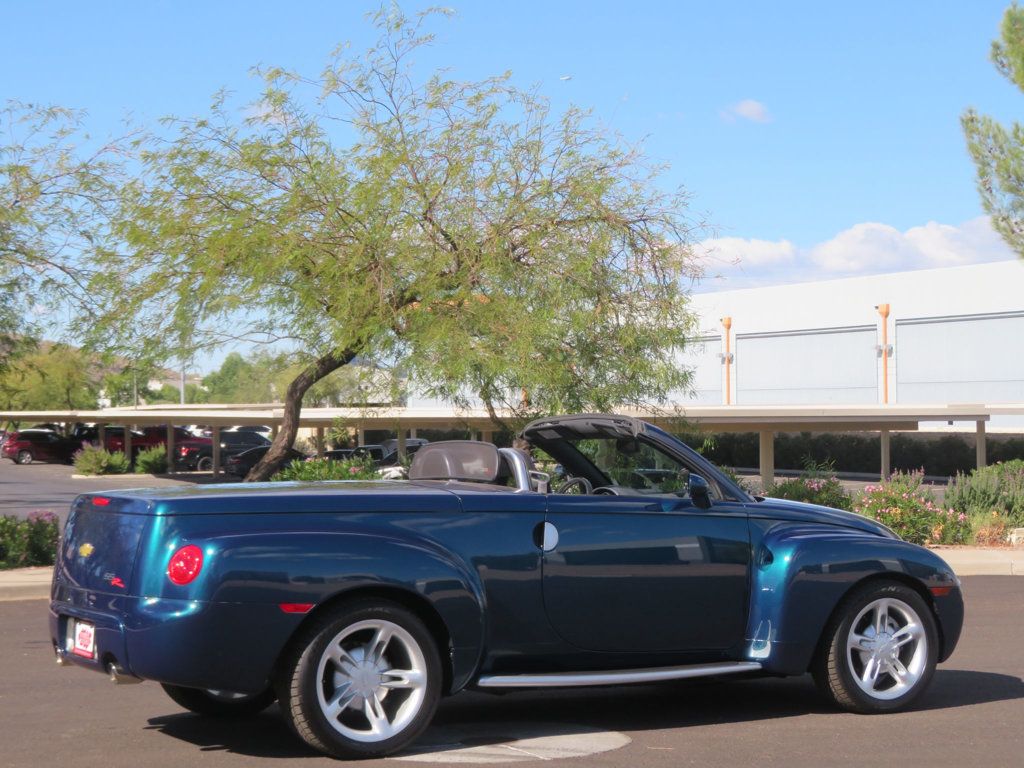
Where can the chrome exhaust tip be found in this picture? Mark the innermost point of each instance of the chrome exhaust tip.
(119, 677)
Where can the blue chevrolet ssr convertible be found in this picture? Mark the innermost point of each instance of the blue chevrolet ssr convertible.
(357, 605)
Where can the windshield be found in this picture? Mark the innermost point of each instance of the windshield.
(632, 463)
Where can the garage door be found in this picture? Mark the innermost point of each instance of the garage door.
(963, 359)
(828, 365)
(701, 356)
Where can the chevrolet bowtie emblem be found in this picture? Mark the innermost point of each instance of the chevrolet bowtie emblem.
(86, 549)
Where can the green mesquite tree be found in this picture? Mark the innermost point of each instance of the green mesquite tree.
(56, 189)
(998, 151)
(458, 231)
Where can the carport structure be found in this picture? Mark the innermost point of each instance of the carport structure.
(766, 420)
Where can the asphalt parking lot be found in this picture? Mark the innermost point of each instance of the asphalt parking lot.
(25, 488)
(973, 714)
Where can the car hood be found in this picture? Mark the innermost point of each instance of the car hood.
(784, 509)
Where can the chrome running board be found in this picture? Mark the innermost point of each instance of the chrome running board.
(615, 677)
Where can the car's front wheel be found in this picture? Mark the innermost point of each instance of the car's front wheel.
(219, 703)
(362, 681)
(879, 651)
(24, 457)
(205, 464)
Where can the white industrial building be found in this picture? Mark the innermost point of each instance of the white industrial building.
(954, 335)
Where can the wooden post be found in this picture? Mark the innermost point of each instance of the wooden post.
(767, 459)
(886, 455)
(215, 438)
(101, 435)
(980, 448)
(169, 445)
(360, 436)
(487, 436)
(319, 442)
(401, 443)
(412, 432)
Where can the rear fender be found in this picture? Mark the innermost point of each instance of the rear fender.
(802, 571)
(313, 568)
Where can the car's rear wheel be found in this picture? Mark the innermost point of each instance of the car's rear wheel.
(879, 651)
(205, 464)
(24, 457)
(362, 681)
(220, 703)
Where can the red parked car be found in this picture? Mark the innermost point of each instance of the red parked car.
(148, 437)
(29, 446)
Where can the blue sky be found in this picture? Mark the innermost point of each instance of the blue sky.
(820, 139)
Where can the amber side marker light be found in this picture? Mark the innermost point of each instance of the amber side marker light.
(185, 565)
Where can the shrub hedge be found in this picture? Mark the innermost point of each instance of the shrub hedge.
(99, 461)
(152, 461)
(326, 469)
(944, 456)
(29, 541)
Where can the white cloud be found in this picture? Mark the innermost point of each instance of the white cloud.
(748, 109)
(750, 253)
(863, 249)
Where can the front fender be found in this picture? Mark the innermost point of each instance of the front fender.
(802, 571)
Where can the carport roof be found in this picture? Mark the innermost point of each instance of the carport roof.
(732, 418)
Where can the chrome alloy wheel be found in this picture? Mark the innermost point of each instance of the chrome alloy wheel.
(371, 680)
(887, 649)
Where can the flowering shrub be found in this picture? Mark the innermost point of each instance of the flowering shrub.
(911, 511)
(826, 491)
(327, 469)
(31, 541)
(816, 485)
(989, 530)
(996, 491)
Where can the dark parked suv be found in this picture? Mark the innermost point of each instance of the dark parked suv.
(197, 453)
(39, 445)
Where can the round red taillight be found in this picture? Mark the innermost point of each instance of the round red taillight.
(185, 565)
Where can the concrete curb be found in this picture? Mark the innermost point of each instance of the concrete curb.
(34, 583)
(25, 583)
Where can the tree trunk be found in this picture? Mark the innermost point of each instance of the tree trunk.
(275, 456)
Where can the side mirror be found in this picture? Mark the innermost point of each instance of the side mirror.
(700, 493)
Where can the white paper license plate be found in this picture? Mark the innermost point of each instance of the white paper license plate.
(84, 636)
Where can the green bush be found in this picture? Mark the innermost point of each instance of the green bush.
(152, 461)
(743, 482)
(997, 489)
(31, 541)
(99, 461)
(911, 511)
(816, 485)
(326, 469)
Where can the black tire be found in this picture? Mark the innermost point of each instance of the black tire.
(219, 704)
(205, 464)
(24, 457)
(864, 670)
(309, 676)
